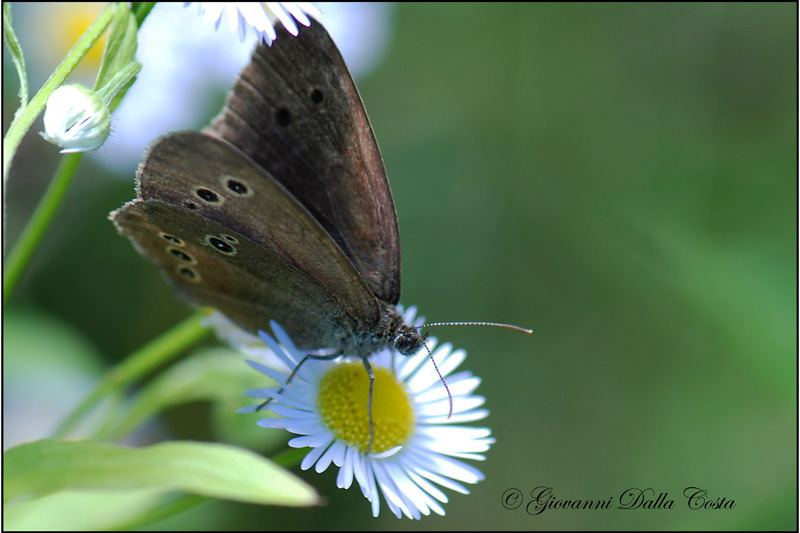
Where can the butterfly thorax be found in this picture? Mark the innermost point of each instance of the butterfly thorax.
(391, 331)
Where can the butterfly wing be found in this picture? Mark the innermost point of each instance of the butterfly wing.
(252, 251)
(296, 111)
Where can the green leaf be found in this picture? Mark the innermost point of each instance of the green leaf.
(82, 510)
(15, 50)
(216, 375)
(120, 48)
(207, 469)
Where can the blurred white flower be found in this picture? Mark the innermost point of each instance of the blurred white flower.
(76, 119)
(185, 74)
(260, 16)
(361, 30)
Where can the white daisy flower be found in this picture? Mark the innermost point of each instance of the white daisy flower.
(415, 446)
(258, 15)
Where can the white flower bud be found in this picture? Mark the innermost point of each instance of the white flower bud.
(76, 119)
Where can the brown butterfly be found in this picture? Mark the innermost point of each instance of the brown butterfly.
(281, 210)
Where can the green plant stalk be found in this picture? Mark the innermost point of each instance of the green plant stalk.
(23, 250)
(23, 121)
(121, 81)
(20, 255)
(141, 10)
(152, 355)
(16, 56)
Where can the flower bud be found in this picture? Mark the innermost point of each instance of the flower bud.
(76, 119)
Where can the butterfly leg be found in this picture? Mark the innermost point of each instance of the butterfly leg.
(369, 402)
(328, 357)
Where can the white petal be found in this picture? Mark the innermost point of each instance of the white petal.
(289, 400)
(426, 485)
(455, 436)
(300, 427)
(271, 423)
(388, 453)
(470, 456)
(394, 498)
(369, 488)
(455, 469)
(262, 393)
(437, 412)
(457, 418)
(340, 450)
(276, 348)
(345, 478)
(411, 490)
(254, 15)
(461, 384)
(290, 412)
(327, 457)
(360, 471)
(277, 375)
(443, 481)
(313, 455)
(296, 11)
(285, 18)
(312, 441)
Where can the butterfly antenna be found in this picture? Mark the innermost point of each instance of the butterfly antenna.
(495, 324)
(449, 396)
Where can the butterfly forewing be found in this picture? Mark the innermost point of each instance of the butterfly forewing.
(296, 111)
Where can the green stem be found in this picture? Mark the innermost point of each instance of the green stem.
(122, 79)
(17, 57)
(20, 255)
(141, 10)
(158, 352)
(24, 120)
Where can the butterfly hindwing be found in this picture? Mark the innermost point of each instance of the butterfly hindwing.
(197, 189)
(211, 265)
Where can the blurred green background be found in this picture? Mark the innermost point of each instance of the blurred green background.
(622, 178)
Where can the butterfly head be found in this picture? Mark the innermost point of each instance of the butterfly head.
(407, 340)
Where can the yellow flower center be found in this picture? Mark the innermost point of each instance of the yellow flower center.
(342, 402)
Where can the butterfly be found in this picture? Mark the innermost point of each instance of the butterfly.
(281, 209)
